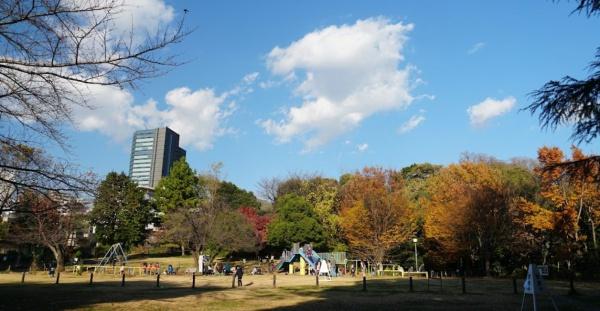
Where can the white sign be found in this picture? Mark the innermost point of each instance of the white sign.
(201, 263)
(534, 283)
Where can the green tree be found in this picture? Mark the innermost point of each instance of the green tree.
(231, 232)
(120, 211)
(181, 189)
(234, 197)
(295, 221)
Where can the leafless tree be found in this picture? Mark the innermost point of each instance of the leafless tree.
(51, 53)
(267, 188)
(28, 170)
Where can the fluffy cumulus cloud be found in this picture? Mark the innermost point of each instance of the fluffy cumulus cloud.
(199, 116)
(412, 123)
(344, 74)
(488, 109)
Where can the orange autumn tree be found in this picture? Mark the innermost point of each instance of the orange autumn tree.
(468, 214)
(375, 213)
(571, 192)
(583, 180)
(558, 195)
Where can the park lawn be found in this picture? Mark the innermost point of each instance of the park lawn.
(292, 293)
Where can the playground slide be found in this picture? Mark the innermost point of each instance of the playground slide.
(287, 257)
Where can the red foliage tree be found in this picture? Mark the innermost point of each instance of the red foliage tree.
(259, 223)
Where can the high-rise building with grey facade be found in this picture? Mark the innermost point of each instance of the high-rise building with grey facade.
(153, 153)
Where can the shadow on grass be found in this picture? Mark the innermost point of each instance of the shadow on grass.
(36, 296)
(481, 294)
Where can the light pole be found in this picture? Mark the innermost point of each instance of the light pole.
(415, 240)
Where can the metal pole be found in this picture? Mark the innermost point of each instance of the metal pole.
(193, 279)
(23, 277)
(123, 280)
(317, 277)
(416, 259)
(91, 277)
(464, 288)
(410, 284)
(364, 283)
(274, 280)
(158, 280)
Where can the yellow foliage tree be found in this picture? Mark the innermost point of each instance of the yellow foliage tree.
(375, 213)
(468, 213)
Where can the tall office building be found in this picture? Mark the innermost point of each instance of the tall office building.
(153, 152)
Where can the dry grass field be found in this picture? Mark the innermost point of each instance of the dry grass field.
(292, 293)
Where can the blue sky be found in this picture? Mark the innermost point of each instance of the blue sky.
(338, 93)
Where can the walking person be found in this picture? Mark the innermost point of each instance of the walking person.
(239, 273)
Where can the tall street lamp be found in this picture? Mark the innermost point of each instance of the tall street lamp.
(416, 262)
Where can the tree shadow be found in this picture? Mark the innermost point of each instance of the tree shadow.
(481, 294)
(37, 296)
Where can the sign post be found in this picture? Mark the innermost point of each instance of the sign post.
(534, 285)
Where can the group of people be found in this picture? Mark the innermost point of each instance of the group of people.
(151, 268)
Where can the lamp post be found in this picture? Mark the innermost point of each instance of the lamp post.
(415, 240)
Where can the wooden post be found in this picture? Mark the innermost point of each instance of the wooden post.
(233, 281)
(364, 284)
(464, 287)
(514, 281)
(571, 285)
(57, 277)
(23, 277)
(274, 280)
(317, 278)
(193, 279)
(410, 284)
(158, 280)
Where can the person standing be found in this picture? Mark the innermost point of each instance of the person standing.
(239, 273)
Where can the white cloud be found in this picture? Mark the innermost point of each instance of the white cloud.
(476, 48)
(250, 78)
(346, 74)
(362, 147)
(199, 116)
(409, 125)
(488, 109)
(143, 15)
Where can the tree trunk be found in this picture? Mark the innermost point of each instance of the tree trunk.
(60, 258)
(182, 250)
(195, 255)
(593, 233)
(487, 266)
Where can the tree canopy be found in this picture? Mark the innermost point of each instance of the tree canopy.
(120, 211)
(294, 221)
(180, 189)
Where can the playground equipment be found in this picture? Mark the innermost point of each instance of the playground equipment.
(114, 253)
(305, 255)
(307, 258)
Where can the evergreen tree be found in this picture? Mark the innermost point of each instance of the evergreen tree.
(234, 197)
(180, 189)
(120, 211)
(295, 221)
